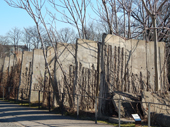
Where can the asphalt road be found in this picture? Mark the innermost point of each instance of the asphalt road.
(13, 115)
(9, 124)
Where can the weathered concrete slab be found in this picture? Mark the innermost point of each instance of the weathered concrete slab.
(12, 61)
(87, 52)
(60, 68)
(155, 98)
(6, 64)
(1, 64)
(66, 56)
(140, 61)
(26, 74)
(19, 57)
(38, 70)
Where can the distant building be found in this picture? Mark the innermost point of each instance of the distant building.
(6, 50)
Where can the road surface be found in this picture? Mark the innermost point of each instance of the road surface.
(13, 115)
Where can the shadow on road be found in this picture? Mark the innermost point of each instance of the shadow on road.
(30, 117)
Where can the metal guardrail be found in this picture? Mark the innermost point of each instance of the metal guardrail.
(62, 105)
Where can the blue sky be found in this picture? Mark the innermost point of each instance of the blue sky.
(15, 17)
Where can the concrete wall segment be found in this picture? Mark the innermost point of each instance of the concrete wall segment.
(6, 64)
(87, 52)
(1, 64)
(139, 56)
(38, 70)
(25, 67)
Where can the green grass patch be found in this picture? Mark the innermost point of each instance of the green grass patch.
(23, 103)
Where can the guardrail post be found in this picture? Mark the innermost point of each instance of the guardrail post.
(39, 99)
(3, 92)
(149, 114)
(96, 110)
(49, 98)
(29, 98)
(77, 106)
(22, 97)
(119, 113)
(15, 95)
(53, 99)
(62, 104)
(8, 93)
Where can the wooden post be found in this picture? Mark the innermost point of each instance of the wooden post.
(77, 106)
(3, 92)
(39, 99)
(49, 99)
(96, 110)
(62, 104)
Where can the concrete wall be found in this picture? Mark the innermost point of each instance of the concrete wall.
(26, 73)
(1, 68)
(87, 52)
(158, 99)
(12, 61)
(6, 64)
(38, 70)
(66, 57)
(140, 59)
(1, 63)
(11, 71)
(137, 57)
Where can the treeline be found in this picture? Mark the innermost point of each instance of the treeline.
(125, 18)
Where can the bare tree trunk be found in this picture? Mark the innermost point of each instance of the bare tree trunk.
(156, 62)
(153, 16)
(129, 34)
(124, 21)
(107, 15)
(129, 20)
(117, 31)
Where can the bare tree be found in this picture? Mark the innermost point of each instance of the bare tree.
(94, 31)
(26, 37)
(153, 11)
(76, 15)
(4, 40)
(114, 13)
(66, 35)
(146, 20)
(14, 36)
(31, 38)
(141, 22)
(107, 12)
